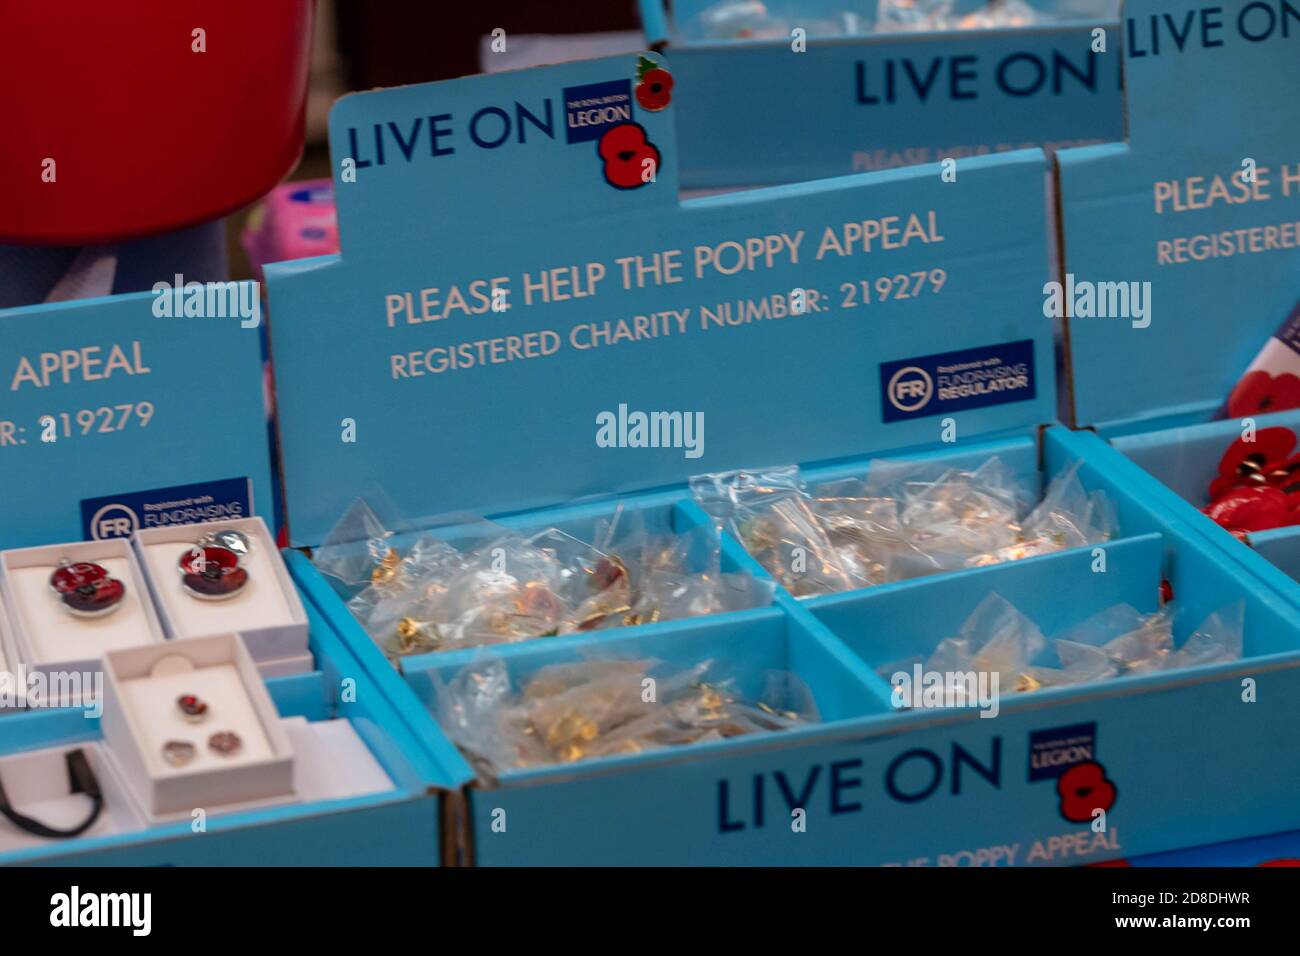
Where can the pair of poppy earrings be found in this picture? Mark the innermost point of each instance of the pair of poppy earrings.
(211, 570)
(194, 710)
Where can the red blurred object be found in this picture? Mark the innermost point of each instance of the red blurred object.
(1258, 485)
(1251, 509)
(147, 134)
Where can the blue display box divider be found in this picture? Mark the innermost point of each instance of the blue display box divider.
(398, 827)
(510, 435)
(1223, 275)
(754, 112)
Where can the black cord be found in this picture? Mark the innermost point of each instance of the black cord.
(81, 779)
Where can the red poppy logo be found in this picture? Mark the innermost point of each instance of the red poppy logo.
(1260, 392)
(654, 87)
(1084, 790)
(630, 159)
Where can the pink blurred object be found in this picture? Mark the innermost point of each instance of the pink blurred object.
(295, 221)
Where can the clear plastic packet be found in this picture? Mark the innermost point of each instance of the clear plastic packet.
(999, 14)
(771, 514)
(568, 712)
(1216, 639)
(894, 16)
(906, 519)
(996, 638)
(473, 710)
(357, 551)
(1132, 641)
(1067, 517)
(484, 584)
(949, 516)
(734, 20)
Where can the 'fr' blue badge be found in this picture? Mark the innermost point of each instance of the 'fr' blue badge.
(952, 381)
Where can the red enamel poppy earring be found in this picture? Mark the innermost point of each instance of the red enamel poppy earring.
(87, 589)
(211, 570)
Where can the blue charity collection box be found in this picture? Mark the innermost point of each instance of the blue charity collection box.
(453, 411)
(126, 424)
(881, 84)
(518, 284)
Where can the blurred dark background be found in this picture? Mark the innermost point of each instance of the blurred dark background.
(364, 44)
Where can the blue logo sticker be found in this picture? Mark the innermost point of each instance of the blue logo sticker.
(952, 381)
(1054, 751)
(591, 109)
(315, 194)
(120, 516)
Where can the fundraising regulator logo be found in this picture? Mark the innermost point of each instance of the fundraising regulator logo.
(208, 300)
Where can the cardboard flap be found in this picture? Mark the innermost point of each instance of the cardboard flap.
(1212, 93)
(494, 153)
(652, 320)
(120, 412)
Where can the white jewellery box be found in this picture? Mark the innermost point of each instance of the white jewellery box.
(265, 610)
(148, 729)
(50, 633)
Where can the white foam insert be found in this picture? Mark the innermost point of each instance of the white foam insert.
(45, 635)
(331, 762)
(37, 785)
(287, 666)
(335, 762)
(267, 611)
(141, 715)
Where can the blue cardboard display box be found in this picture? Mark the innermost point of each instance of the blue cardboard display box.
(121, 414)
(754, 112)
(451, 405)
(397, 825)
(1202, 208)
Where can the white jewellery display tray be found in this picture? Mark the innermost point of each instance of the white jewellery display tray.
(141, 687)
(45, 635)
(37, 785)
(266, 612)
(331, 763)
